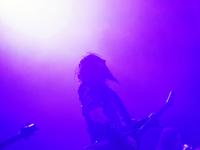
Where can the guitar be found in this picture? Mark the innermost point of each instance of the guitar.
(25, 133)
(140, 132)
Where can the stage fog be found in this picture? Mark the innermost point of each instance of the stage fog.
(150, 47)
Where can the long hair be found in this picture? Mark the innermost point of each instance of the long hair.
(89, 68)
(170, 140)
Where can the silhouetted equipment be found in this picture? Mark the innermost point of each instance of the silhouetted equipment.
(25, 132)
(140, 132)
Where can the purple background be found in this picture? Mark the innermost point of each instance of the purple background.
(151, 47)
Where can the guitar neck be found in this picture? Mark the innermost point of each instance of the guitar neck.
(151, 121)
(169, 103)
(10, 141)
(162, 110)
(142, 130)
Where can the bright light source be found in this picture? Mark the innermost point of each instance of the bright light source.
(51, 29)
(37, 18)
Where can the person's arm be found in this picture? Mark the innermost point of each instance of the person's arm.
(98, 116)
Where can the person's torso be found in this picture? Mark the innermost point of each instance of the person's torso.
(93, 95)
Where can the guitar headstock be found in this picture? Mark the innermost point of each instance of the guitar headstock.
(170, 99)
(27, 130)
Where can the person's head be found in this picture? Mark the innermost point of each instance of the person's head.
(93, 67)
(170, 140)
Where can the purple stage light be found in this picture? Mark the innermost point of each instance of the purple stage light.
(150, 47)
